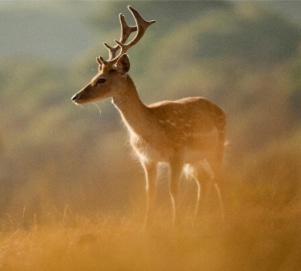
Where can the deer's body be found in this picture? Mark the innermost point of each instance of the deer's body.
(187, 132)
(159, 132)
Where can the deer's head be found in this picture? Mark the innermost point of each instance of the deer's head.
(112, 73)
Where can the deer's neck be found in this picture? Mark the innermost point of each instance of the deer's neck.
(134, 112)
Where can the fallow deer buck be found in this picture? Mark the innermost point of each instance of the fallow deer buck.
(186, 134)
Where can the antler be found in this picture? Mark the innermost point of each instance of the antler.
(126, 30)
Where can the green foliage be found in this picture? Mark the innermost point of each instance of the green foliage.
(251, 34)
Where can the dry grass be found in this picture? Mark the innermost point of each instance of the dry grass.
(255, 236)
(261, 231)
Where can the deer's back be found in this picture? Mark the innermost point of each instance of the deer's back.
(194, 114)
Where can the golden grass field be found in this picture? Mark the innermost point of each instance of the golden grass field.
(261, 232)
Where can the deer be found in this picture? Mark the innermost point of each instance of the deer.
(188, 135)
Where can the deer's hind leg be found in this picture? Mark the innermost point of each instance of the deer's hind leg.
(215, 165)
(203, 178)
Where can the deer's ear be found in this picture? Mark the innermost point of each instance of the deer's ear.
(123, 64)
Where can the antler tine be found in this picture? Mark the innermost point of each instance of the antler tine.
(126, 30)
(141, 24)
(112, 50)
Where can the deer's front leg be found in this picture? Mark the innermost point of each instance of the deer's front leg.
(150, 169)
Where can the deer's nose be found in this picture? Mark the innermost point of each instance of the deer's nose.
(75, 97)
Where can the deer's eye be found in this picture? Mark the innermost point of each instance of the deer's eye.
(101, 80)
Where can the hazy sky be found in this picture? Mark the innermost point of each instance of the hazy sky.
(57, 31)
